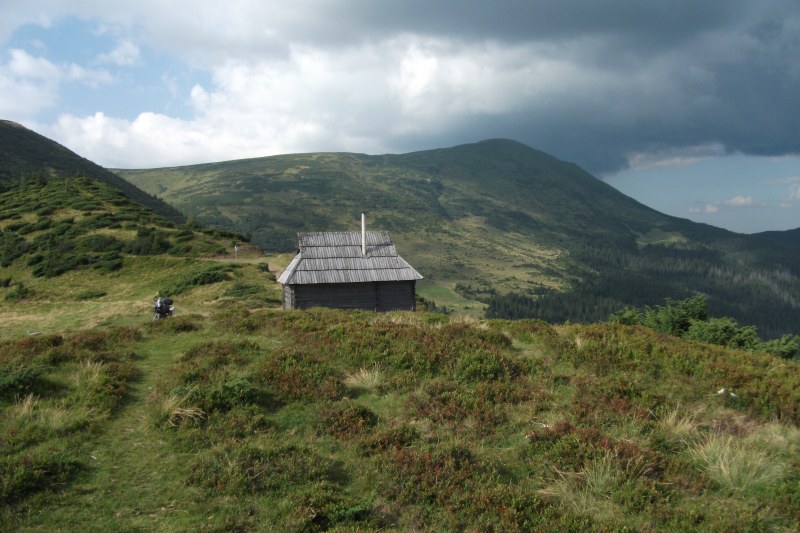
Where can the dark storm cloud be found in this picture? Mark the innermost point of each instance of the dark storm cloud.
(592, 81)
(686, 73)
(648, 23)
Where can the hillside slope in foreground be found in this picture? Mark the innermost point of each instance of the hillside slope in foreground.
(332, 420)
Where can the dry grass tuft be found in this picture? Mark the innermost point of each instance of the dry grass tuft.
(469, 320)
(87, 374)
(590, 490)
(60, 419)
(405, 318)
(678, 426)
(736, 464)
(175, 411)
(365, 378)
(778, 437)
(24, 407)
(580, 342)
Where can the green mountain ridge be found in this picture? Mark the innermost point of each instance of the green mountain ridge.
(25, 153)
(498, 226)
(77, 251)
(788, 237)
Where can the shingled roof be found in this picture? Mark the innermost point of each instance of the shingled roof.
(335, 257)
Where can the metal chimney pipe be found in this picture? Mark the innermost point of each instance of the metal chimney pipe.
(363, 234)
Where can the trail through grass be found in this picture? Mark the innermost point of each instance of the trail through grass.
(135, 481)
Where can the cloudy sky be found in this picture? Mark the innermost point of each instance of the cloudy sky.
(690, 107)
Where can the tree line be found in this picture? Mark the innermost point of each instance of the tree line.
(689, 319)
(606, 279)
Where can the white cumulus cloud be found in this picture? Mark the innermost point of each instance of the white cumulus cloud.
(740, 201)
(28, 85)
(125, 54)
(708, 209)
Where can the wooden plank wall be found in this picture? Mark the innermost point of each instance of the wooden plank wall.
(377, 296)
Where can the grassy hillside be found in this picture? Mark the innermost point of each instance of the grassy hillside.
(342, 421)
(498, 225)
(24, 153)
(78, 253)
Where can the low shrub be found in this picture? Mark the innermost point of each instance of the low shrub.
(322, 506)
(12, 246)
(37, 349)
(209, 355)
(239, 422)
(240, 320)
(24, 474)
(19, 292)
(477, 367)
(148, 241)
(391, 438)
(295, 375)
(447, 402)
(100, 243)
(90, 294)
(18, 379)
(234, 392)
(241, 290)
(562, 447)
(180, 249)
(207, 276)
(177, 324)
(440, 476)
(246, 469)
(107, 262)
(346, 420)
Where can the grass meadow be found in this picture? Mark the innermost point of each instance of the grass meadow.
(356, 421)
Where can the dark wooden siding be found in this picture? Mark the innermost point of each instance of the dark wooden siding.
(395, 295)
(377, 296)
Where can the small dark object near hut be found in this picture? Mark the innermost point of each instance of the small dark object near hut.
(162, 308)
(348, 270)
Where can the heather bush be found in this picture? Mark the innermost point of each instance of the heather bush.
(241, 469)
(477, 367)
(322, 506)
(390, 438)
(345, 420)
(17, 379)
(294, 375)
(22, 475)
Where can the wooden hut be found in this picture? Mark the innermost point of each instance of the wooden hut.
(348, 270)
